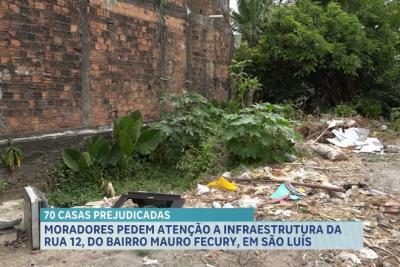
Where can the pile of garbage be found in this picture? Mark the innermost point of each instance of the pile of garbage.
(343, 133)
(300, 194)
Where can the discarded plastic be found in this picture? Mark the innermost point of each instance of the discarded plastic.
(147, 261)
(347, 256)
(247, 202)
(358, 138)
(286, 213)
(283, 192)
(216, 205)
(202, 189)
(228, 206)
(222, 183)
(367, 253)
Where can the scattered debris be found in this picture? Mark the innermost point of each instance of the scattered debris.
(228, 206)
(286, 213)
(392, 207)
(248, 202)
(358, 138)
(216, 205)
(367, 253)
(222, 183)
(202, 189)
(9, 224)
(148, 262)
(347, 256)
(270, 191)
(284, 193)
(341, 123)
(394, 149)
(329, 152)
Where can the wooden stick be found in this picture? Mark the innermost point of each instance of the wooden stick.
(319, 186)
(320, 136)
(385, 250)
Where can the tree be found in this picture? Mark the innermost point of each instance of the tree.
(248, 19)
(328, 52)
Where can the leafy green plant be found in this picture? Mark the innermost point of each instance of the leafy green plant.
(259, 134)
(369, 107)
(12, 156)
(207, 158)
(243, 84)
(92, 162)
(99, 155)
(193, 120)
(131, 138)
(344, 110)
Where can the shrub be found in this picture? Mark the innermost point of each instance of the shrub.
(129, 137)
(208, 158)
(370, 108)
(12, 156)
(243, 85)
(344, 110)
(194, 120)
(258, 134)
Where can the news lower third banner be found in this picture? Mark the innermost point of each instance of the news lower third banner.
(187, 229)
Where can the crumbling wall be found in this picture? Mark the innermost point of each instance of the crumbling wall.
(75, 64)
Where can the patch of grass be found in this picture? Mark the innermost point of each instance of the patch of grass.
(154, 178)
(72, 189)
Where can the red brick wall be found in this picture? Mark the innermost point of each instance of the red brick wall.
(69, 64)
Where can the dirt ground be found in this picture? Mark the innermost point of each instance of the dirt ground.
(381, 172)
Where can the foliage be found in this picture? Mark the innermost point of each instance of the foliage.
(92, 162)
(130, 137)
(247, 21)
(74, 189)
(3, 185)
(193, 120)
(395, 119)
(369, 107)
(12, 156)
(328, 53)
(344, 110)
(208, 158)
(99, 155)
(257, 133)
(204, 138)
(199, 136)
(243, 85)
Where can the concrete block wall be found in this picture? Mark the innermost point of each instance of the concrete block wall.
(68, 65)
(75, 64)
